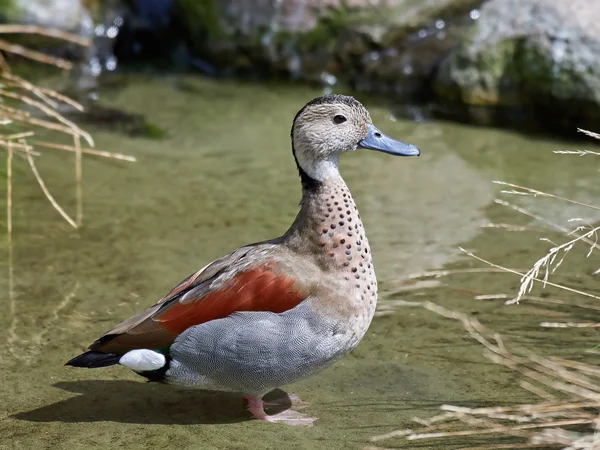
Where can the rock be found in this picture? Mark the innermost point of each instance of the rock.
(533, 57)
(98, 20)
(66, 15)
(313, 39)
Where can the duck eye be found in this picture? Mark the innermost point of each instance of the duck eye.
(339, 119)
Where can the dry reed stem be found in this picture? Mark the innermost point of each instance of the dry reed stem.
(88, 151)
(576, 152)
(537, 390)
(500, 429)
(559, 286)
(48, 104)
(568, 378)
(14, 111)
(41, 92)
(49, 32)
(43, 97)
(512, 446)
(535, 193)
(78, 181)
(548, 263)
(551, 301)
(511, 227)
(569, 325)
(444, 273)
(51, 113)
(530, 214)
(24, 134)
(582, 367)
(4, 67)
(40, 123)
(35, 55)
(17, 147)
(45, 189)
(589, 133)
(9, 159)
(563, 376)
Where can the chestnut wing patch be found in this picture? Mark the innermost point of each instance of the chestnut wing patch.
(259, 289)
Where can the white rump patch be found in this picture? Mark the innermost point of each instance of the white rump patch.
(143, 360)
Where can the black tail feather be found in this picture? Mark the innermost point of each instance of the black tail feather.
(92, 360)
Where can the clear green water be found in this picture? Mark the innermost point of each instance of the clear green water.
(223, 177)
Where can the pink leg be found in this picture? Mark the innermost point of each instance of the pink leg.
(289, 416)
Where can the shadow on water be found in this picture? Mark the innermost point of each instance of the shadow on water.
(131, 402)
(128, 401)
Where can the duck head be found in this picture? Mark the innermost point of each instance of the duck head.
(334, 124)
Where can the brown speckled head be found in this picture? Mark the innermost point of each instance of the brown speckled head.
(331, 125)
(325, 128)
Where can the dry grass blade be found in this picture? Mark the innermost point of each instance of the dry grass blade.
(24, 134)
(511, 227)
(444, 273)
(49, 196)
(35, 55)
(48, 102)
(9, 158)
(38, 122)
(535, 193)
(544, 423)
(589, 133)
(88, 151)
(49, 32)
(78, 180)
(501, 429)
(532, 215)
(576, 152)
(41, 92)
(17, 147)
(14, 111)
(552, 301)
(549, 262)
(51, 113)
(510, 446)
(570, 388)
(569, 325)
(559, 286)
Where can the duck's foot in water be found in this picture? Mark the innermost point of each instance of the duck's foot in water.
(256, 405)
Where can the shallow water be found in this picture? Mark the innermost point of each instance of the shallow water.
(222, 177)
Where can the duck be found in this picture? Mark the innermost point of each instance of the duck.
(274, 312)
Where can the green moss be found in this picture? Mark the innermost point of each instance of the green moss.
(202, 20)
(9, 11)
(151, 131)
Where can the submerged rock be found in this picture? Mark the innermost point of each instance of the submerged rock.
(529, 57)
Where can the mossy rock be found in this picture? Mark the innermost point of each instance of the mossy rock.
(9, 11)
(537, 58)
(302, 37)
(75, 16)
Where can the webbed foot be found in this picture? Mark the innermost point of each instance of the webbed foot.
(256, 405)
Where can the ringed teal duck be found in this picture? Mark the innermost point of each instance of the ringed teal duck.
(270, 313)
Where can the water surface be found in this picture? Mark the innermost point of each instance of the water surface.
(224, 176)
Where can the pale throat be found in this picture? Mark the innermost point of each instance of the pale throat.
(320, 169)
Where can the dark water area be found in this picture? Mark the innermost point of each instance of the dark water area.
(220, 175)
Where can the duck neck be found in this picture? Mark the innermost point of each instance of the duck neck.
(328, 224)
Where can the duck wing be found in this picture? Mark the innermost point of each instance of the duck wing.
(245, 280)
